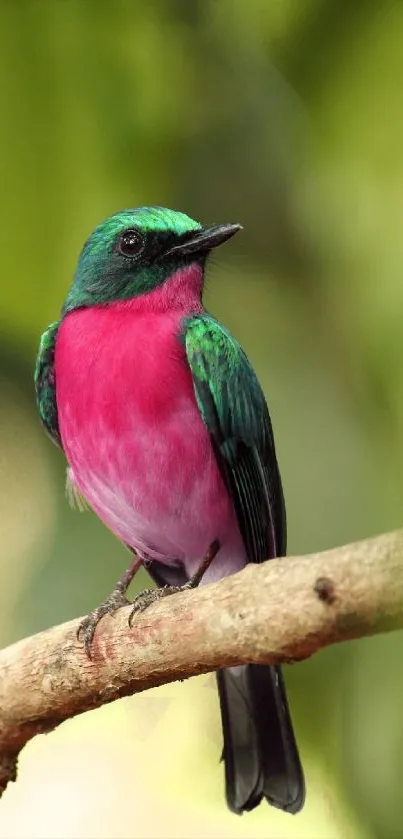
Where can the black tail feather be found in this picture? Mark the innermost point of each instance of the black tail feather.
(260, 752)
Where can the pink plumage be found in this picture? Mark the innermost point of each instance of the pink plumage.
(132, 432)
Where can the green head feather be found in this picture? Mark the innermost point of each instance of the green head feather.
(135, 251)
(128, 255)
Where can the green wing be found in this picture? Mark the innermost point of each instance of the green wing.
(45, 383)
(234, 410)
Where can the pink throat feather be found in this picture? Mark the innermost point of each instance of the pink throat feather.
(137, 447)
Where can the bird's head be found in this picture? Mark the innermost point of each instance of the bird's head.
(134, 252)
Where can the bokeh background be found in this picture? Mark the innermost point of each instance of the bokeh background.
(285, 115)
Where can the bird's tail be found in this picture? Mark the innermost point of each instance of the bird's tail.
(260, 753)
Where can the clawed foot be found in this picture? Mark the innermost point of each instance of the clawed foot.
(117, 599)
(150, 595)
(86, 630)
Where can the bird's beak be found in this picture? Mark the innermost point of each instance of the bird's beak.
(203, 240)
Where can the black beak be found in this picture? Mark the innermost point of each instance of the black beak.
(203, 240)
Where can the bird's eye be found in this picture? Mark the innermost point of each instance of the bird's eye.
(131, 243)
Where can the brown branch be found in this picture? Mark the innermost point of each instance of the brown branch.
(283, 610)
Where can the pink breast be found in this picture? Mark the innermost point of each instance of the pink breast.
(133, 435)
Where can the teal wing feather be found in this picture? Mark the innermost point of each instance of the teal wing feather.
(45, 383)
(233, 407)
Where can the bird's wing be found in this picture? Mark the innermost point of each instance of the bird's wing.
(45, 383)
(233, 407)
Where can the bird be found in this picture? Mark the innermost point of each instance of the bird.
(168, 438)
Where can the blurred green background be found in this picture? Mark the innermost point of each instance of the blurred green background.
(285, 115)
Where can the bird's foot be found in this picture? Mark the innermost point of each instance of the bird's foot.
(115, 601)
(86, 630)
(150, 595)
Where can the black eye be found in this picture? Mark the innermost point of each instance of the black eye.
(131, 243)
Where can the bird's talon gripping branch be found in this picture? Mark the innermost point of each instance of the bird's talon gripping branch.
(150, 595)
(86, 630)
(147, 597)
(116, 600)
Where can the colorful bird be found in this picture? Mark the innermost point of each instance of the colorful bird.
(168, 438)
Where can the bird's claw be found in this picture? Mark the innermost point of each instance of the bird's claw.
(150, 595)
(86, 630)
(142, 601)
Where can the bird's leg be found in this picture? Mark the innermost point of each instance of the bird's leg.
(204, 565)
(113, 602)
(145, 598)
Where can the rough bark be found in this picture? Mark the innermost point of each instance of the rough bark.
(283, 610)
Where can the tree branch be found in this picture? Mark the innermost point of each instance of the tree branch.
(283, 610)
